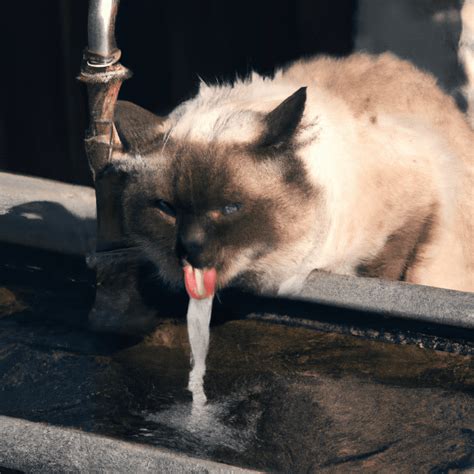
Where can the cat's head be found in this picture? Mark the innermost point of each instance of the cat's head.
(218, 194)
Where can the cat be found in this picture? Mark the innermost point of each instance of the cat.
(357, 166)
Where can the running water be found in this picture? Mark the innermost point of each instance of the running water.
(199, 318)
(200, 423)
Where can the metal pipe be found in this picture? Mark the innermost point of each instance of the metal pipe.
(102, 49)
(103, 74)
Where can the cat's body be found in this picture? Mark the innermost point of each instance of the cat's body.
(368, 171)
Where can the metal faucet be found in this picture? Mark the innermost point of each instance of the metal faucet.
(115, 263)
(102, 49)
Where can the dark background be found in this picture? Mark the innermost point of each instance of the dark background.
(167, 44)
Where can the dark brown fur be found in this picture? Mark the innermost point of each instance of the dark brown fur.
(402, 251)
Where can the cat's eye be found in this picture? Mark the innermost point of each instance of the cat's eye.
(165, 207)
(231, 208)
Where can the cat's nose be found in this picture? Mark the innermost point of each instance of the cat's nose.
(190, 248)
(191, 251)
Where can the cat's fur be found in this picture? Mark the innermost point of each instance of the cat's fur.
(368, 171)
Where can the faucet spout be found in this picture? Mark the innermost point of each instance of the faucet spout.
(102, 49)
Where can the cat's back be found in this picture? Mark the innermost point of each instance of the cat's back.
(390, 99)
(383, 84)
(369, 83)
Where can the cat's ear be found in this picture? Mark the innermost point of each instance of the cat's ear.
(282, 122)
(137, 128)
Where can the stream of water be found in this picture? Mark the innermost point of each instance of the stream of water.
(199, 318)
(201, 422)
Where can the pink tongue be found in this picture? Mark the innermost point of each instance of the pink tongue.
(200, 289)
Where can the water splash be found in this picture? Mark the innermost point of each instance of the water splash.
(199, 318)
(206, 428)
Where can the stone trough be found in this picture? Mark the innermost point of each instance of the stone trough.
(290, 388)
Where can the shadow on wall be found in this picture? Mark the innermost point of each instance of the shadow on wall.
(425, 32)
(50, 226)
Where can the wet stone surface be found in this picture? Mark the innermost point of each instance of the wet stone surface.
(280, 399)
